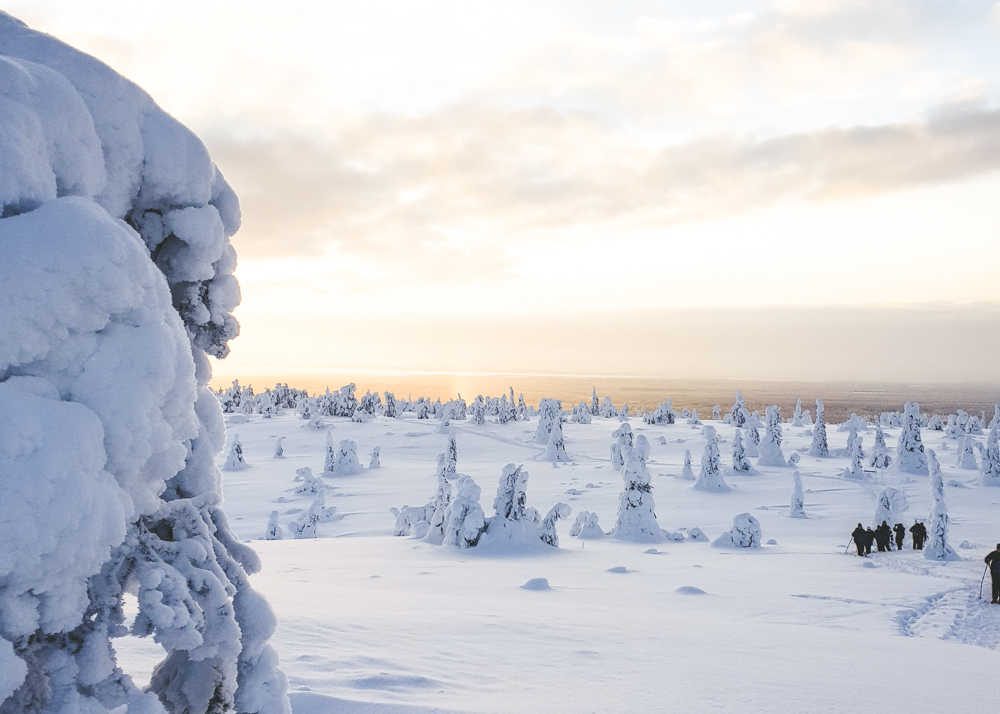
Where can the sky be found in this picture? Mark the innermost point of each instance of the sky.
(803, 189)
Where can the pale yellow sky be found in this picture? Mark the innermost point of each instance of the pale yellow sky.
(517, 171)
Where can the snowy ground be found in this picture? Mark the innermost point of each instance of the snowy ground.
(375, 623)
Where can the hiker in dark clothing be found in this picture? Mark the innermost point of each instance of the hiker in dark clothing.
(869, 539)
(883, 537)
(900, 530)
(993, 560)
(859, 537)
(919, 533)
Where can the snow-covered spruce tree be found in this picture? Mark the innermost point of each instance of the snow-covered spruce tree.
(797, 414)
(329, 454)
(116, 281)
(308, 484)
(663, 414)
(607, 408)
(798, 502)
(234, 455)
(687, 473)
(716, 412)
(819, 447)
(770, 445)
(581, 414)
(346, 459)
(935, 423)
(375, 461)
(505, 411)
(621, 445)
(464, 520)
(856, 470)
(279, 447)
(586, 525)
(937, 547)
(521, 413)
(910, 456)
(274, 530)
(595, 405)
(436, 510)
(738, 413)
(965, 456)
(990, 456)
(555, 450)
(890, 505)
(880, 458)
(478, 410)
(624, 413)
(995, 421)
(745, 533)
(740, 463)
(710, 478)
(549, 535)
(549, 411)
(752, 442)
(391, 407)
(636, 510)
(449, 469)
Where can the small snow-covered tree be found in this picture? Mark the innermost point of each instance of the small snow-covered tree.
(478, 410)
(890, 506)
(693, 419)
(274, 530)
(636, 514)
(745, 533)
(965, 456)
(752, 442)
(716, 412)
(621, 445)
(464, 520)
(687, 473)
(581, 414)
(770, 446)
(937, 547)
(555, 450)
(856, 470)
(880, 458)
(607, 408)
(521, 413)
(819, 446)
(990, 456)
(329, 454)
(279, 447)
(505, 411)
(797, 414)
(738, 413)
(375, 462)
(391, 407)
(586, 525)
(662, 415)
(346, 459)
(549, 535)
(549, 411)
(308, 484)
(798, 502)
(595, 405)
(910, 456)
(740, 463)
(234, 456)
(710, 478)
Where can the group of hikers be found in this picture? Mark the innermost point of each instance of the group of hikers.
(882, 537)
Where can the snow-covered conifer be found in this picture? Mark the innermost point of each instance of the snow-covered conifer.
(890, 505)
(329, 454)
(308, 484)
(710, 478)
(856, 470)
(740, 463)
(279, 447)
(880, 458)
(274, 530)
(555, 450)
(234, 456)
(937, 547)
(752, 442)
(595, 406)
(716, 412)
(990, 456)
(798, 502)
(607, 408)
(965, 456)
(770, 446)
(548, 533)
(636, 514)
(549, 411)
(745, 533)
(391, 407)
(693, 419)
(464, 520)
(797, 414)
(346, 459)
(375, 462)
(581, 414)
(820, 446)
(687, 473)
(910, 456)
(586, 526)
(621, 445)
(521, 413)
(478, 410)
(738, 413)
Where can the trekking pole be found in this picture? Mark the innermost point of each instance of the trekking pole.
(983, 581)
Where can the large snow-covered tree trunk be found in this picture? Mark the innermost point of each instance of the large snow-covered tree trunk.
(116, 282)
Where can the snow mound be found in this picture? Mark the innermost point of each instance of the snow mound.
(620, 570)
(689, 590)
(537, 584)
(745, 533)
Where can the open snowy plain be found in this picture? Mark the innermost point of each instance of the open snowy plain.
(373, 622)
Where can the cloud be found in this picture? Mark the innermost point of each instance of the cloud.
(455, 189)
